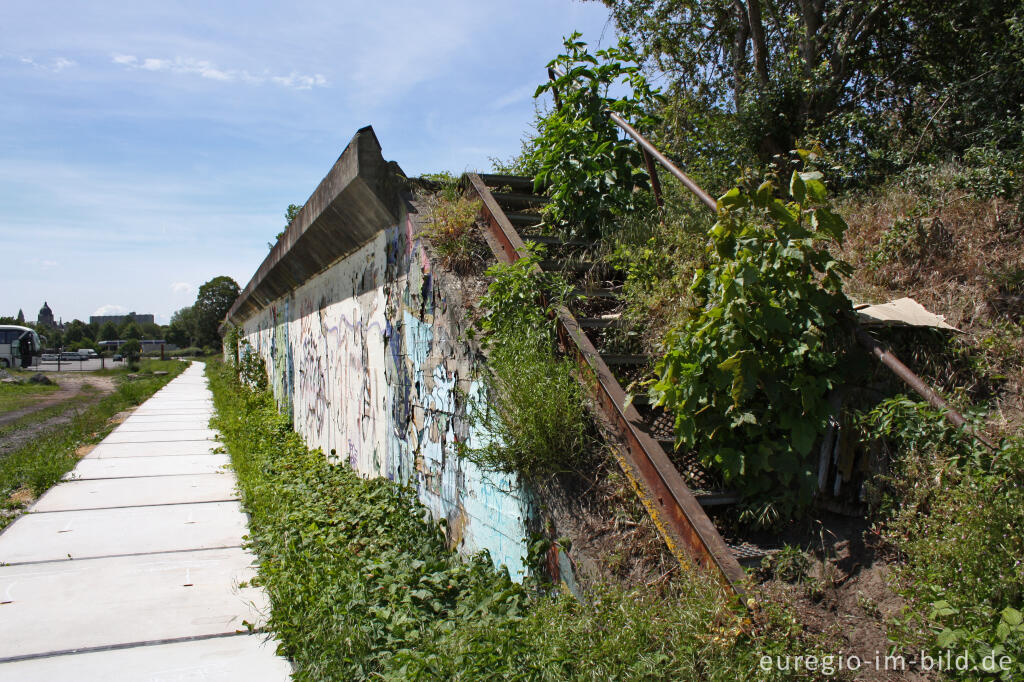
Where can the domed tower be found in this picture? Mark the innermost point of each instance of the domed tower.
(46, 316)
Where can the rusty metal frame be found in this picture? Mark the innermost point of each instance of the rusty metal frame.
(682, 522)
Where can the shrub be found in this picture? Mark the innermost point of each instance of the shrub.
(534, 413)
(747, 376)
(590, 173)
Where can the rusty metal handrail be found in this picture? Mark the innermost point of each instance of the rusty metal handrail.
(883, 354)
(682, 522)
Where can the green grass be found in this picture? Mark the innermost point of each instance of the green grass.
(535, 418)
(17, 396)
(76, 402)
(41, 463)
(362, 585)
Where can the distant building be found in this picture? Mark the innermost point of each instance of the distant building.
(118, 320)
(46, 316)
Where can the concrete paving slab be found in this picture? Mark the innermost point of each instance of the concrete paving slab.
(188, 447)
(189, 398)
(134, 467)
(131, 492)
(132, 530)
(148, 418)
(198, 423)
(102, 602)
(240, 658)
(118, 436)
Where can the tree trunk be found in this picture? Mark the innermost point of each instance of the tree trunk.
(757, 40)
(739, 50)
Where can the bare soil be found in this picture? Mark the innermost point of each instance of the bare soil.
(72, 392)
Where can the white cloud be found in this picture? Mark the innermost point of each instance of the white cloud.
(57, 65)
(182, 288)
(205, 69)
(110, 309)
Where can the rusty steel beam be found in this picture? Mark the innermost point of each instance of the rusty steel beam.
(889, 359)
(686, 528)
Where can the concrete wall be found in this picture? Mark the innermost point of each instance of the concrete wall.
(368, 358)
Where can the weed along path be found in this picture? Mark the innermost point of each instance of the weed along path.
(132, 568)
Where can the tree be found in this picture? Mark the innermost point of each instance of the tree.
(182, 329)
(131, 350)
(151, 330)
(21, 317)
(212, 304)
(108, 332)
(131, 331)
(869, 79)
(289, 216)
(77, 331)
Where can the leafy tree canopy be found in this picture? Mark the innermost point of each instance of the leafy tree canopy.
(881, 84)
(108, 332)
(212, 304)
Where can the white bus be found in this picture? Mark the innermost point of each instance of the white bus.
(18, 345)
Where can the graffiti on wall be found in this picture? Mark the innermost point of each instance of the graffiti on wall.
(367, 360)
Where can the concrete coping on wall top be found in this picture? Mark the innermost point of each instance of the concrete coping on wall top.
(359, 197)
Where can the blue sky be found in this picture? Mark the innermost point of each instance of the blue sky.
(147, 147)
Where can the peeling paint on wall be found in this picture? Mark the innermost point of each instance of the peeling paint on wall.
(366, 359)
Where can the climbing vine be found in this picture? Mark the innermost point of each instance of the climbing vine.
(747, 376)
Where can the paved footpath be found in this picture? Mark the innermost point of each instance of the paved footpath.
(130, 568)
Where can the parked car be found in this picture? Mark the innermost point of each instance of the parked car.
(70, 355)
(87, 353)
(117, 357)
(48, 357)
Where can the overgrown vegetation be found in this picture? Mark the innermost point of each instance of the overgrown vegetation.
(41, 463)
(954, 511)
(881, 85)
(591, 175)
(451, 229)
(533, 413)
(363, 586)
(910, 110)
(747, 377)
